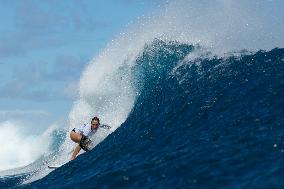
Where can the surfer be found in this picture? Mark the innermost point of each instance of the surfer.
(81, 136)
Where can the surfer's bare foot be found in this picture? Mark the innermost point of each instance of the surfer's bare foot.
(75, 153)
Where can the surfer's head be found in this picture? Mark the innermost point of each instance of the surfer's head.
(95, 122)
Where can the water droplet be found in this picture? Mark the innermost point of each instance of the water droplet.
(125, 178)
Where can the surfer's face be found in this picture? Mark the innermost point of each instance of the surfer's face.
(95, 124)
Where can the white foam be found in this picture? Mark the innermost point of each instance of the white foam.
(19, 148)
(223, 25)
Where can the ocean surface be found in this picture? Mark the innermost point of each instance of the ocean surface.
(209, 123)
(182, 115)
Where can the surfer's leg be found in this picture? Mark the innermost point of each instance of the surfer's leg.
(85, 143)
(75, 137)
(76, 151)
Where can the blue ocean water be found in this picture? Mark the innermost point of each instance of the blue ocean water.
(210, 122)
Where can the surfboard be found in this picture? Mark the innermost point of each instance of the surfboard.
(54, 166)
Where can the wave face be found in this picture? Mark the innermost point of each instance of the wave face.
(196, 123)
(192, 101)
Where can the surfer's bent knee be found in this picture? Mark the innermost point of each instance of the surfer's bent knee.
(75, 137)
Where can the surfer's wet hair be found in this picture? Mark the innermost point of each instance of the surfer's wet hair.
(96, 119)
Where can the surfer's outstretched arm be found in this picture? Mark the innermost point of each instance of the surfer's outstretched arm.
(76, 151)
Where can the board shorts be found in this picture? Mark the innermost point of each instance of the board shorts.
(84, 142)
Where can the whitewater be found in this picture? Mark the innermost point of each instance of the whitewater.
(194, 95)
